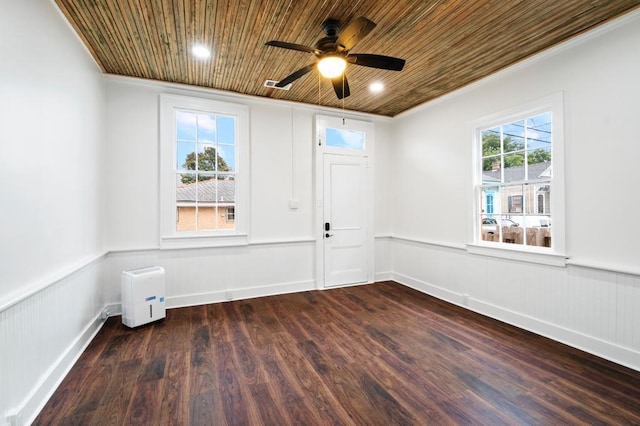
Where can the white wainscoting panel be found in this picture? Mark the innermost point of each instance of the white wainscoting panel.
(42, 336)
(383, 258)
(209, 275)
(590, 309)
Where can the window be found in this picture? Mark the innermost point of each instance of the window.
(541, 204)
(515, 204)
(231, 214)
(489, 203)
(203, 151)
(343, 138)
(518, 165)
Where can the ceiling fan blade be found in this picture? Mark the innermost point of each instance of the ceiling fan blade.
(341, 86)
(355, 31)
(376, 61)
(290, 46)
(295, 75)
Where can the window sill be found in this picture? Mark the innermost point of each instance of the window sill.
(528, 254)
(203, 241)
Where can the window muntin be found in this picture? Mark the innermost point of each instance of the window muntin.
(203, 157)
(205, 170)
(516, 179)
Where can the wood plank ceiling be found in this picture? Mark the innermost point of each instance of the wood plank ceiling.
(447, 43)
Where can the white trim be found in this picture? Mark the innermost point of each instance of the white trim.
(307, 240)
(202, 241)
(552, 51)
(384, 276)
(553, 103)
(620, 269)
(168, 236)
(49, 280)
(320, 149)
(44, 389)
(238, 294)
(249, 243)
(240, 97)
(598, 347)
(518, 253)
(431, 243)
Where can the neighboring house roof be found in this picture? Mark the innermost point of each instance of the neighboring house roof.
(536, 171)
(207, 191)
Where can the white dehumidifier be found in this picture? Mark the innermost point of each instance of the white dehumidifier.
(143, 296)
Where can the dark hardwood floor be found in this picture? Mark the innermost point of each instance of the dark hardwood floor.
(379, 354)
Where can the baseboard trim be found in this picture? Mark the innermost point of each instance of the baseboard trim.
(43, 391)
(384, 276)
(238, 294)
(607, 350)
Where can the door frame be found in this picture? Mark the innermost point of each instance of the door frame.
(320, 122)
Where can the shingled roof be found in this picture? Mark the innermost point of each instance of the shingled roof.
(207, 191)
(512, 174)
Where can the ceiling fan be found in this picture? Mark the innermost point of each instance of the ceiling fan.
(333, 54)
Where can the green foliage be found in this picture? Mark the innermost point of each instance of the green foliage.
(538, 156)
(491, 149)
(206, 163)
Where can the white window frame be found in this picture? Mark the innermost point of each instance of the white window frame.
(555, 255)
(169, 236)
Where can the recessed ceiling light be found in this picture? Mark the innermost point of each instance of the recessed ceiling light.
(376, 87)
(201, 51)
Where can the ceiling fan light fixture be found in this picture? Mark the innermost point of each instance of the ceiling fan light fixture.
(332, 66)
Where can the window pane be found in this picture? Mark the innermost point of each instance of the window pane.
(512, 195)
(543, 197)
(513, 137)
(514, 167)
(226, 191)
(186, 218)
(489, 228)
(539, 162)
(226, 158)
(185, 179)
(185, 126)
(226, 129)
(206, 128)
(207, 218)
(490, 200)
(490, 142)
(206, 158)
(185, 155)
(539, 131)
(512, 234)
(339, 138)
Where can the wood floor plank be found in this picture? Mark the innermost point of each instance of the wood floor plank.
(174, 405)
(373, 354)
(117, 396)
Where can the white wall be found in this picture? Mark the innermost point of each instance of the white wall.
(51, 187)
(280, 256)
(581, 304)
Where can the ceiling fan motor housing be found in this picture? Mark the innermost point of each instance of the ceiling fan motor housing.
(331, 27)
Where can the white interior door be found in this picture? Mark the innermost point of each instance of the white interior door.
(345, 224)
